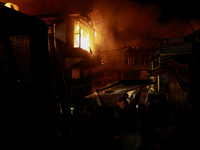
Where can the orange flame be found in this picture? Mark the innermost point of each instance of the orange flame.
(83, 37)
(85, 40)
(12, 6)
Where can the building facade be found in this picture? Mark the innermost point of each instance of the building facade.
(72, 36)
(175, 70)
(130, 63)
(83, 64)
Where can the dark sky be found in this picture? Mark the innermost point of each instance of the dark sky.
(169, 8)
(188, 9)
(127, 21)
(142, 20)
(33, 7)
(182, 9)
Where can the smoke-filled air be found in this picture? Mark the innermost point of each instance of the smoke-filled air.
(120, 23)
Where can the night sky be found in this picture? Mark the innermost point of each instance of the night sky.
(126, 21)
(169, 8)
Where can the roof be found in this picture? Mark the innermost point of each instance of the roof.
(120, 86)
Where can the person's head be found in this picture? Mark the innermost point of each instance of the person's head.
(122, 103)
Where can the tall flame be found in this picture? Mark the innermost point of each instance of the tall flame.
(83, 37)
(85, 40)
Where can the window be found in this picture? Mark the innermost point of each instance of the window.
(75, 73)
(131, 61)
(77, 35)
(82, 36)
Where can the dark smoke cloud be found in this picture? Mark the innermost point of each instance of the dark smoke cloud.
(125, 22)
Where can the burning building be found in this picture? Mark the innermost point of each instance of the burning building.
(130, 63)
(88, 58)
(73, 36)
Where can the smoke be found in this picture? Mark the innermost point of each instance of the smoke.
(128, 23)
(124, 22)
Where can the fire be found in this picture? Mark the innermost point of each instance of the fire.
(12, 6)
(76, 35)
(85, 40)
(83, 36)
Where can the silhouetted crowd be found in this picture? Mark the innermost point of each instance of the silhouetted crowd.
(128, 126)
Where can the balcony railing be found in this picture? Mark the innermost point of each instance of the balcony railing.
(126, 61)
